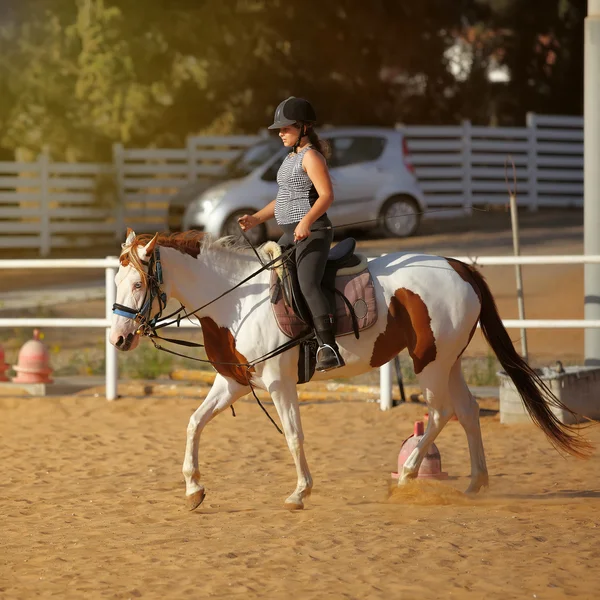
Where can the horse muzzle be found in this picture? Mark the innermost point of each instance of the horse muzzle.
(128, 342)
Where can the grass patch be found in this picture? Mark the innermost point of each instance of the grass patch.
(89, 361)
(146, 362)
(478, 371)
(481, 371)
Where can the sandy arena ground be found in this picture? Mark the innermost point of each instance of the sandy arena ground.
(92, 505)
(92, 498)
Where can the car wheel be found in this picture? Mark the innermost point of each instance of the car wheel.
(257, 235)
(400, 217)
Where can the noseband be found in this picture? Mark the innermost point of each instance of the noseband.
(142, 316)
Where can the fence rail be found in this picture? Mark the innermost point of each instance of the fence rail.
(111, 264)
(46, 205)
(465, 165)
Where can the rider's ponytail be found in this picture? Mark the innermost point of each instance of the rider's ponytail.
(320, 145)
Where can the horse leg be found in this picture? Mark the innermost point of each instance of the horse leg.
(222, 394)
(467, 411)
(285, 398)
(434, 383)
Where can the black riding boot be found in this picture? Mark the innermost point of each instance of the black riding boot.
(328, 354)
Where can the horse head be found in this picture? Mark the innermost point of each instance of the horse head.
(141, 293)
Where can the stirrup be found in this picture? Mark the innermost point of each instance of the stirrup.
(339, 361)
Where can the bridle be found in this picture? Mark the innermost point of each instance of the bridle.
(142, 316)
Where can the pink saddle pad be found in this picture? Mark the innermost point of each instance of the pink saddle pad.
(359, 290)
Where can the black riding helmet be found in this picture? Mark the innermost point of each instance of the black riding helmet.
(291, 111)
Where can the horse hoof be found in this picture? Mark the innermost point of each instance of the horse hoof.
(293, 506)
(477, 485)
(474, 491)
(195, 500)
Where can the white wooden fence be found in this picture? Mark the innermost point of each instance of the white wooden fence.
(146, 178)
(46, 205)
(465, 165)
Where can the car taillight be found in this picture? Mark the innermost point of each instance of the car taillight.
(406, 157)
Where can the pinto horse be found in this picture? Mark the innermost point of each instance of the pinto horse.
(429, 305)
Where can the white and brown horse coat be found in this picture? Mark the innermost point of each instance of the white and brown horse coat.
(426, 304)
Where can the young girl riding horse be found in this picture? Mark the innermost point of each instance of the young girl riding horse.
(300, 209)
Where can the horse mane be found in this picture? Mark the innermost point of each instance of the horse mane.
(191, 243)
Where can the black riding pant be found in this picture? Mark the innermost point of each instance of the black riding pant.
(311, 257)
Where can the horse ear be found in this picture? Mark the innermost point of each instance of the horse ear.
(149, 249)
(130, 236)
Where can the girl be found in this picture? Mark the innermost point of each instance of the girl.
(305, 193)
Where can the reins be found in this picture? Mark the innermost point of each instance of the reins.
(149, 326)
(265, 266)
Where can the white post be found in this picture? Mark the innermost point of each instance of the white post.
(112, 365)
(191, 159)
(119, 163)
(385, 386)
(532, 161)
(514, 219)
(591, 176)
(466, 165)
(45, 235)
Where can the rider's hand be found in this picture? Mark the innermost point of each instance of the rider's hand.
(302, 231)
(248, 222)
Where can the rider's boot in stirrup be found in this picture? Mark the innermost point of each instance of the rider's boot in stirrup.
(328, 353)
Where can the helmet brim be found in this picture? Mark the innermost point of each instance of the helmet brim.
(282, 123)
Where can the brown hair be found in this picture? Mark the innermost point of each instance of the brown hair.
(320, 145)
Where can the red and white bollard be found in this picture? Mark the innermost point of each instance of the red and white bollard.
(33, 363)
(3, 366)
(431, 466)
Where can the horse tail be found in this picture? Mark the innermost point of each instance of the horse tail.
(537, 397)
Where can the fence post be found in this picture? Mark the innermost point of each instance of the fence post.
(591, 177)
(45, 235)
(466, 164)
(385, 386)
(191, 159)
(112, 364)
(119, 164)
(532, 160)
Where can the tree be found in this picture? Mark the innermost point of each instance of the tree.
(79, 76)
(541, 44)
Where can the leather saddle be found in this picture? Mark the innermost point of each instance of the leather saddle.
(341, 256)
(348, 287)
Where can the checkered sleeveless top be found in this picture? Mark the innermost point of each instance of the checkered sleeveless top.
(296, 193)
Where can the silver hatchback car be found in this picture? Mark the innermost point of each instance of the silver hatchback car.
(373, 180)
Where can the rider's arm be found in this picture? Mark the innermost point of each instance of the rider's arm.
(266, 213)
(316, 168)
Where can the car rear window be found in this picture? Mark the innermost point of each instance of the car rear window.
(351, 150)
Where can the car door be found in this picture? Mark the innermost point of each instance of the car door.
(355, 175)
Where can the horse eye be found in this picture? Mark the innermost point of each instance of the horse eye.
(138, 285)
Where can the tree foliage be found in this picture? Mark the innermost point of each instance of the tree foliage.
(79, 75)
